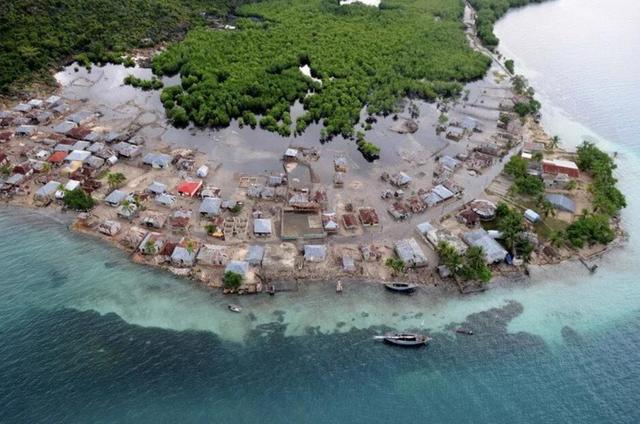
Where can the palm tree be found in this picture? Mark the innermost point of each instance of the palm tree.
(129, 207)
(546, 207)
(449, 257)
(476, 266)
(210, 228)
(554, 143)
(116, 179)
(150, 247)
(557, 238)
(511, 226)
(190, 246)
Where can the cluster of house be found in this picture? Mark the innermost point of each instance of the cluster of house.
(401, 208)
(456, 131)
(556, 174)
(73, 149)
(182, 252)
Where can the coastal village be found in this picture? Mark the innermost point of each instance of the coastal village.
(314, 219)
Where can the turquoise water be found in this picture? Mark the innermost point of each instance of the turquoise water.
(86, 336)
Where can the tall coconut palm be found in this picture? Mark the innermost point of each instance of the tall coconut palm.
(150, 247)
(116, 179)
(557, 238)
(554, 143)
(190, 246)
(546, 207)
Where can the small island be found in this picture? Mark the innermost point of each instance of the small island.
(483, 192)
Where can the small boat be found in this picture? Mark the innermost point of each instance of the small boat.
(401, 287)
(405, 339)
(234, 308)
(271, 290)
(339, 287)
(464, 331)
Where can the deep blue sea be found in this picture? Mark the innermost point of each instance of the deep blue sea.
(88, 337)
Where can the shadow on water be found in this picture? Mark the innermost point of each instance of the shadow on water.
(65, 360)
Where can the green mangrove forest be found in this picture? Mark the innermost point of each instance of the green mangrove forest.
(37, 35)
(364, 56)
(488, 12)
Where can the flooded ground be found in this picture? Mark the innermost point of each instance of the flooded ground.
(234, 152)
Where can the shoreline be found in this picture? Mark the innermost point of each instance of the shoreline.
(295, 270)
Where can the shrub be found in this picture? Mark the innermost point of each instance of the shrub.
(607, 198)
(509, 65)
(78, 200)
(145, 85)
(590, 229)
(232, 280)
(396, 264)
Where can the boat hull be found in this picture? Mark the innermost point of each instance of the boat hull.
(401, 288)
(406, 339)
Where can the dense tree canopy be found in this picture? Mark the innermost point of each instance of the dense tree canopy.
(470, 266)
(36, 35)
(78, 200)
(607, 198)
(488, 12)
(365, 56)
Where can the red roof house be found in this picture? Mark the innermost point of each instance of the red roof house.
(79, 133)
(189, 188)
(6, 136)
(57, 157)
(557, 166)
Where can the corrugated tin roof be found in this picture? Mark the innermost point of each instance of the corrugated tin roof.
(425, 227)
(166, 199)
(211, 206)
(410, 252)
(443, 192)
(238, 267)
(183, 255)
(156, 187)
(493, 251)
(47, 190)
(561, 202)
(77, 156)
(157, 160)
(532, 215)
(255, 254)
(116, 197)
(449, 162)
(315, 252)
(64, 127)
(262, 226)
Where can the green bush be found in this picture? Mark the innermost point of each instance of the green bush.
(396, 264)
(607, 198)
(78, 200)
(590, 229)
(509, 65)
(470, 266)
(145, 85)
(529, 185)
(516, 167)
(370, 151)
(523, 182)
(232, 280)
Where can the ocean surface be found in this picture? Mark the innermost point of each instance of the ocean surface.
(88, 337)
